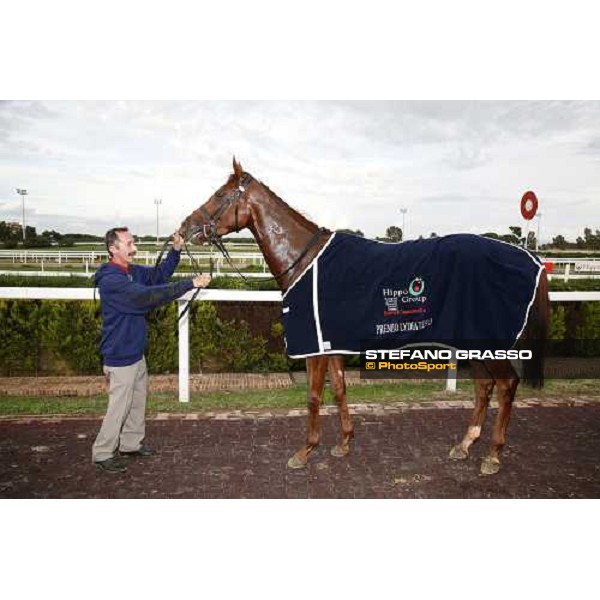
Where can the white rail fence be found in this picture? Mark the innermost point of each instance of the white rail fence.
(90, 258)
(52, 262)
(41, 293)
(87, 273)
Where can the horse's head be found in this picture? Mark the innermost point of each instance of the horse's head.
(225, 211)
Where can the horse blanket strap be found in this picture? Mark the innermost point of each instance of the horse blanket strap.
(462, 291)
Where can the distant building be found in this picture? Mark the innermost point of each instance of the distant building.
(13, 227)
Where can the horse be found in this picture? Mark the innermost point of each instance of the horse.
(289, 243)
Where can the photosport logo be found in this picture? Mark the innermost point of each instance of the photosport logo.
(428, 363)
(567, 359)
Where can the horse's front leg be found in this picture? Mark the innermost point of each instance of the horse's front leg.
(338, 384)
(316, 368)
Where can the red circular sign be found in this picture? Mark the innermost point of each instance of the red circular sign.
(529, 205)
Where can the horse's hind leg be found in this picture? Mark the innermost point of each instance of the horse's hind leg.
(484, 385)
(338, 384)
(507, 382)
(316, 368)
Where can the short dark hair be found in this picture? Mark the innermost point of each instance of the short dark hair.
(111, 237)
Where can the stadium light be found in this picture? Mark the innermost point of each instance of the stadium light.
(403, 211)
(158, 202)
(23, 193)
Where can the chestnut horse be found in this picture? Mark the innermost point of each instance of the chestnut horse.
(289, 242)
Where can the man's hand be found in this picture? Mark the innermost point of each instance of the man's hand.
(201, 281)
(177, 241)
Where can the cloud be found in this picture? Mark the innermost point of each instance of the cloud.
(454, 165)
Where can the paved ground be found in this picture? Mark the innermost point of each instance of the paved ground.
(553, 452)
(96, 385)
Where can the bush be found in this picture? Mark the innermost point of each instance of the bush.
(60, 282)
(18, 355)
(575, 285)
(61, 337)
(558, 327)
(589, 329)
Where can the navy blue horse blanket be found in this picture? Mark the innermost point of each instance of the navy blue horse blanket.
(462, 291)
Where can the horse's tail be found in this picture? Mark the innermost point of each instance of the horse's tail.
(536, 334)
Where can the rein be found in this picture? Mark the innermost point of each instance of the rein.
(192, 260)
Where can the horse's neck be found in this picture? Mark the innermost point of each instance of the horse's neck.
(282, 234)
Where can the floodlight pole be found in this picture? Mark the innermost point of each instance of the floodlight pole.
(403, 211)
(23, 193)
(158, 202)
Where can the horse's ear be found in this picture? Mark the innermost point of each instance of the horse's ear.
(237, 168)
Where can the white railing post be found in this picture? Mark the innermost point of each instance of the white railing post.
(452, 373)
(184, 353)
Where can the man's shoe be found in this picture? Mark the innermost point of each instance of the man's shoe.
(143, 451)
(111, 465)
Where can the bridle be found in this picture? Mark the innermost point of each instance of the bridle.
(211, 223)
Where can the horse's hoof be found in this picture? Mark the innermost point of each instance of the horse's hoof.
(297, 463)
(458, 453)
(490, 466)
(339, 451)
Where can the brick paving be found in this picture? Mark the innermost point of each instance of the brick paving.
(208, 382)
(400, 451)
(96, 385)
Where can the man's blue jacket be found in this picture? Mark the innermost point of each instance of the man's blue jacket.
(126, 296)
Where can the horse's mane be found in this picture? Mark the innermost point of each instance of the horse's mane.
(299, 218)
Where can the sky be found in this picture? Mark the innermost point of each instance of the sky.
(456, 166)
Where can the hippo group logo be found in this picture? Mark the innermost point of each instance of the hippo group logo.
(416, 287)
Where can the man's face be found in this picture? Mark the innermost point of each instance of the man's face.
(124, 250)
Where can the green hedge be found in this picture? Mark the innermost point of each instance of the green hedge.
(223, 283)
(61, 336)
(556, 285)
(575, 285)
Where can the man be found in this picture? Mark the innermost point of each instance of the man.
(127, 293)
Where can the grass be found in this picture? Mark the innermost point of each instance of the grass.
(288, 398)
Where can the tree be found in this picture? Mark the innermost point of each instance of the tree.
(514, 237)
(592, 240)
(358, 232)
(516, 231)
(10, 233)
(394, 234)
(30, 237)
(52, 236)
(559, 242)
